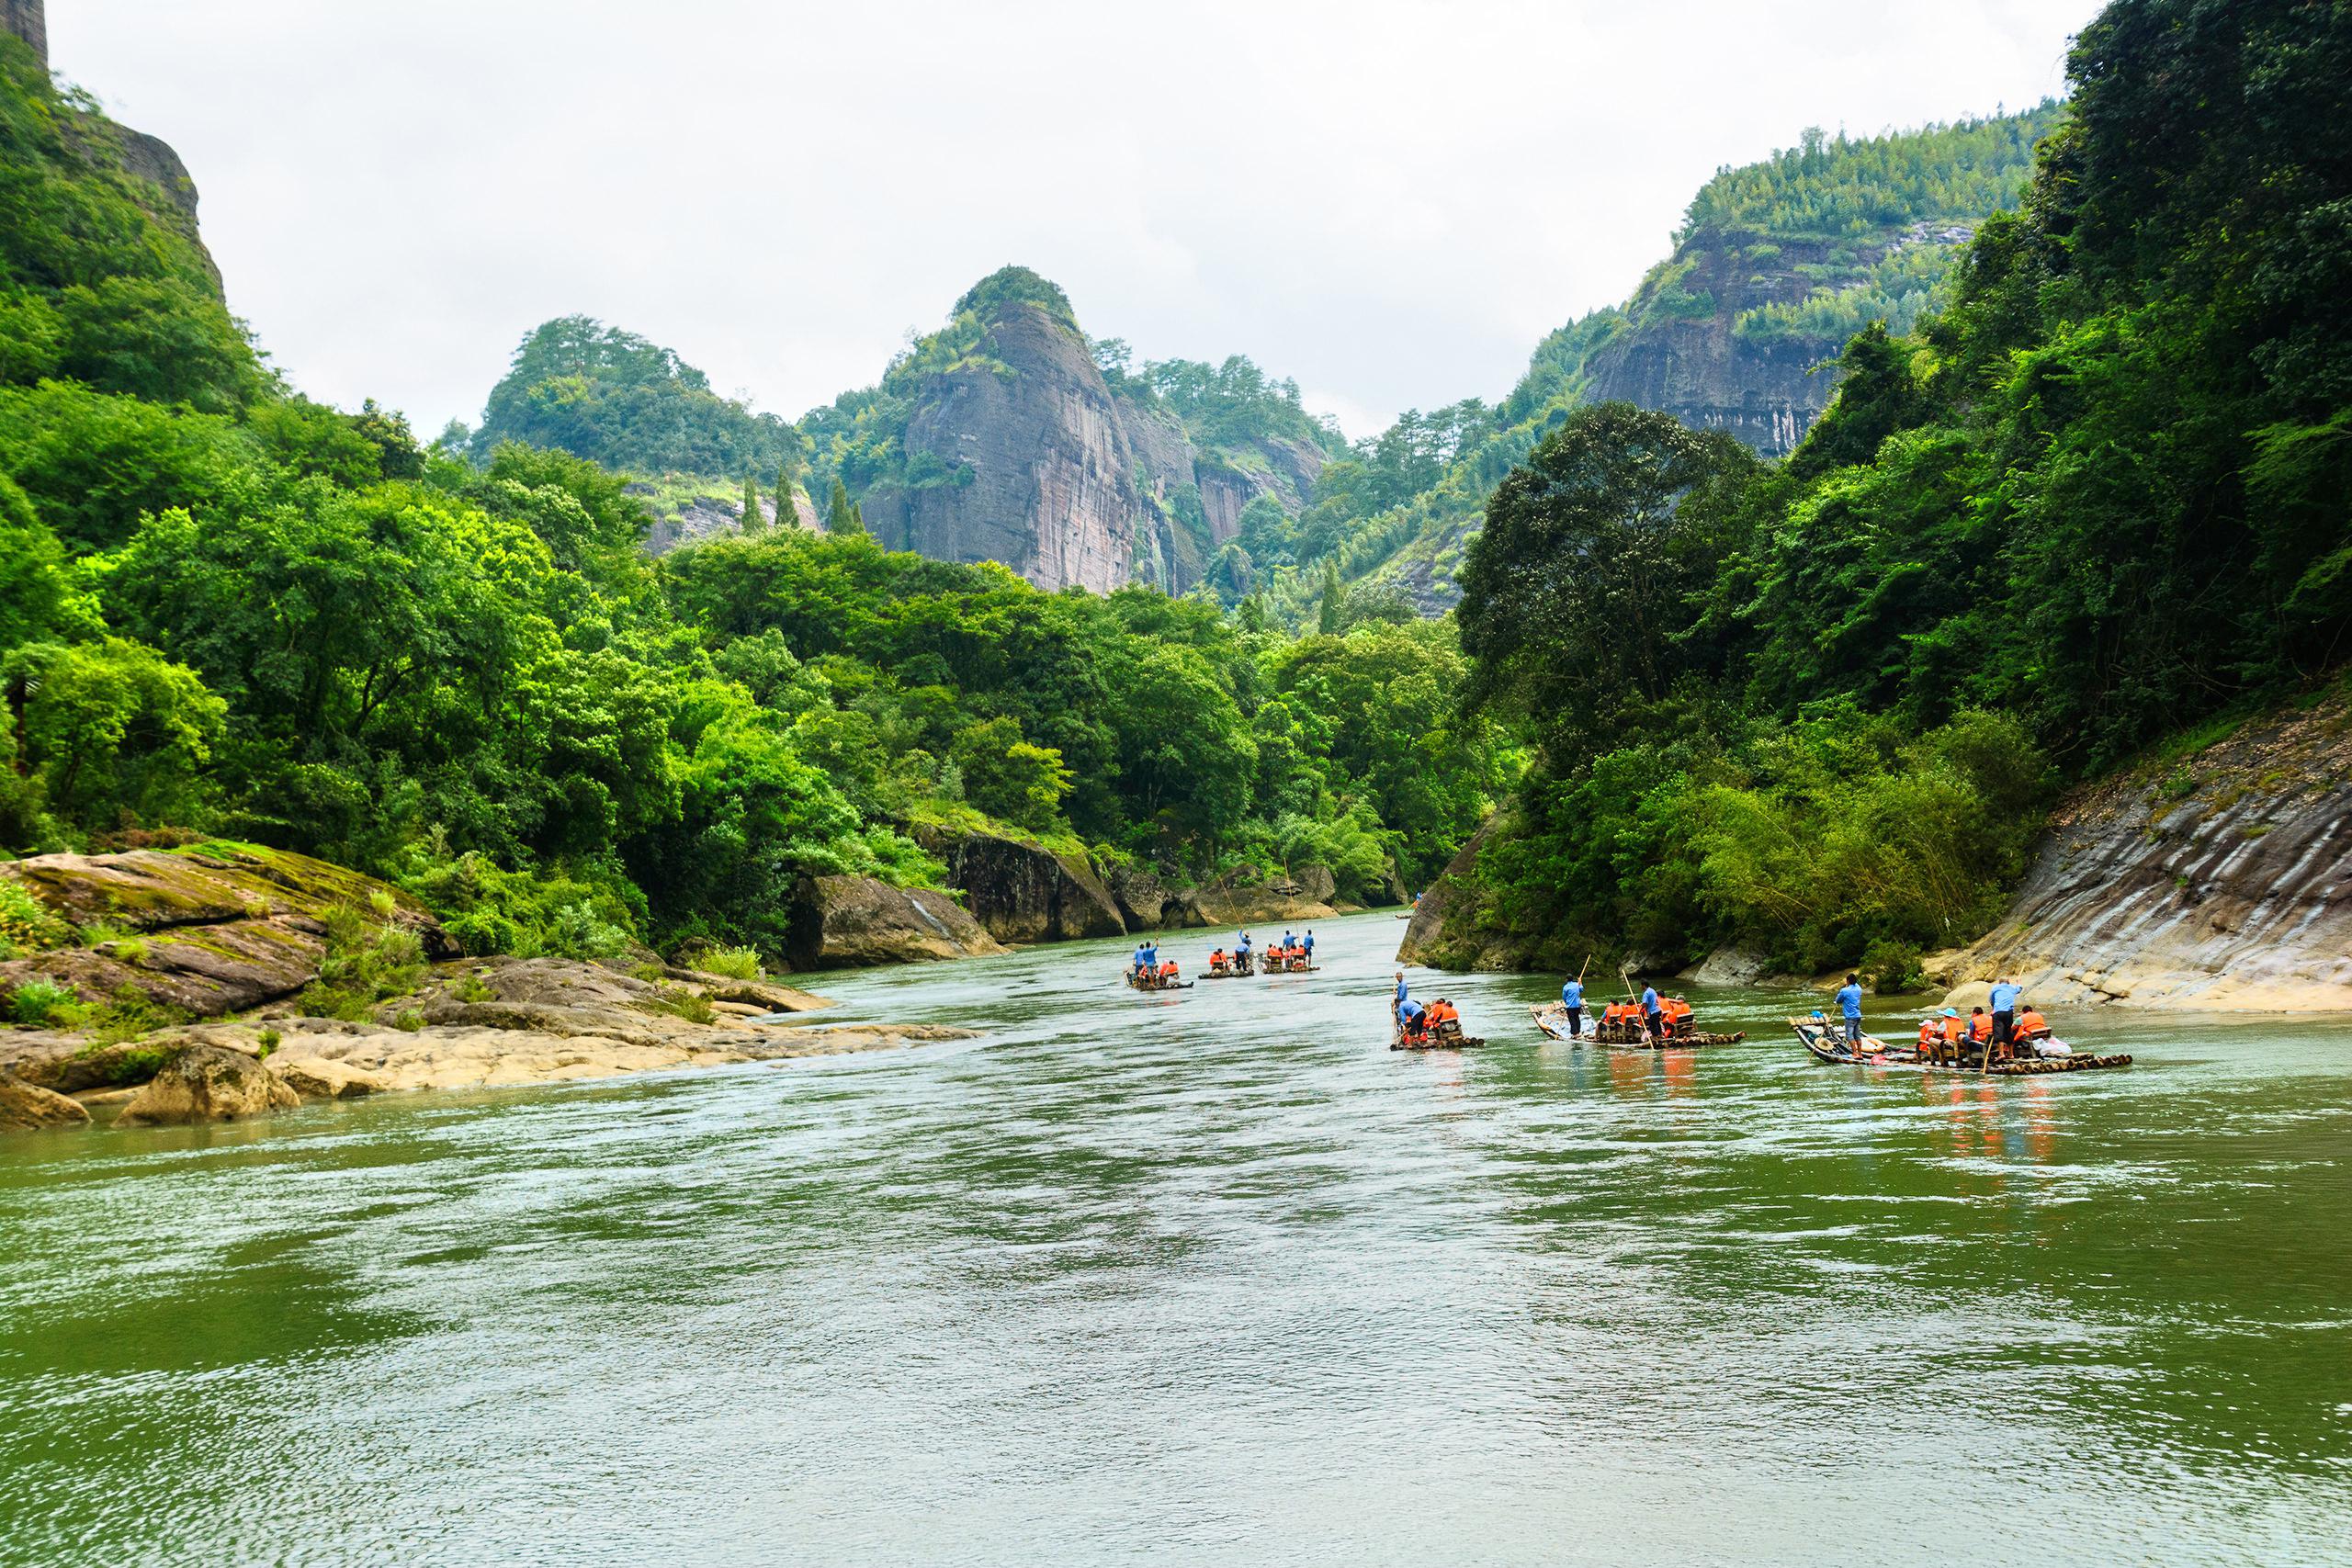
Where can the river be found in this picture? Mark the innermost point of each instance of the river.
(1209, 1277)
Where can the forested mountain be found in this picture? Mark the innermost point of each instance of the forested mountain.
(1777, 265)
(226, 610)
(1813, 708)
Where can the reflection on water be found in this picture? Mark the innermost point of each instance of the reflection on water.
(1210, 1277)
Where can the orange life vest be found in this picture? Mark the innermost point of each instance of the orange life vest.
(2032, 1024)
(1980, 1027)
(1951, 1032)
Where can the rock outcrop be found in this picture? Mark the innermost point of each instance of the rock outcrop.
(28, 1108)
(1148, 903)
(691, 518)
(1025, 454)
(206, 1083)
(29, 20)
(214, 928)
(1022, 891)
(2222, 881)
(843, 922)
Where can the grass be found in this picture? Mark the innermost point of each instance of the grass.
(692, 1006)
(26, 923)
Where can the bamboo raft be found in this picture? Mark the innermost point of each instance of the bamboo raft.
(1457, 1041)
(1553, 1020)
(1828, 1043)
(1156, 983)
(1240, 969)
(1273, 970)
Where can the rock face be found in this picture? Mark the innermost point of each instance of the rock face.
(29, 21)
(855, 922)
(28, 1108)
(2224, 881)
(218, 927)
(1025, 893)
(1247, 896)
(1147, 904)
(1701, 370)
(205, 1083)
(1032, 460)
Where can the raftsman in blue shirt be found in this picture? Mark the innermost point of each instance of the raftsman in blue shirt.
(1572, 993)
(2004, 998)
(1849, 1001)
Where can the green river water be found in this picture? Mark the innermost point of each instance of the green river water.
(1212, 1277)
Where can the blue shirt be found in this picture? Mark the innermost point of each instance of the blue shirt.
(1411, 1011)
(1245, 942)
(2005, 998)
(1310, 942)
(1572, 993)
(1400, 993)
(1649, 999)
(1849, 998)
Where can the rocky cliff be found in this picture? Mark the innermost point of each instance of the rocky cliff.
(2219, 880)
(1021, 451)
(29, 20)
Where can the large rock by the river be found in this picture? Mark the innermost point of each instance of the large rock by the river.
(28, 1108)
(2221, 880)
(841, 922)
(206, 1083)
(1023, 892)
(1149, 904)
(323, 1077)
(220, 927)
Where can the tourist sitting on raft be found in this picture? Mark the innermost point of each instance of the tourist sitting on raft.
(1445, 1019)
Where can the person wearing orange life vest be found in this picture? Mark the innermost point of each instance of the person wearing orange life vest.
(1980, 1035)
(1931, 1035)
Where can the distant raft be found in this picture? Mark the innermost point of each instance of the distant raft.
(1826, 1043)
(1231, 966)
(1160, 982)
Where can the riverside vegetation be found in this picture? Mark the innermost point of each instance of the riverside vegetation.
(1815, 708)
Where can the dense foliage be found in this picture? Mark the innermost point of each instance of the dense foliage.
(224, 609)
(612, 397)
(1812, 707)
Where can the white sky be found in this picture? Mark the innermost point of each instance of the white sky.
(1391, 200)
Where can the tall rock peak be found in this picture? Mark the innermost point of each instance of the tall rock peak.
(29, 19)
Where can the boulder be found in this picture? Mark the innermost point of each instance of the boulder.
(67, 1066)
(1728, 966)
(323, 1077)
(1248, 895)
(1023, 892)
(206, 1083)
(855, 922)
(1149, 904)
(1316, 884)
(27, 1107)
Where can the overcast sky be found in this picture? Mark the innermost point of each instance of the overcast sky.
(1390, 201)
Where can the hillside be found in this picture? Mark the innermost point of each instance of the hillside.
(634, 407)
(1817, 711)
(1007, 435)
(1777, 266)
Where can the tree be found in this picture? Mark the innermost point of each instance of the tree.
(754, 520)
(840, 516)
(1577, 595)
(1335, 602)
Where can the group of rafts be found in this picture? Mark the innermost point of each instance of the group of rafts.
(1947, 1044)
(1291, 956)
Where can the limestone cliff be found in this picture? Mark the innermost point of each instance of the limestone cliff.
(29, 20)
(2223, 881)
(1015, 447)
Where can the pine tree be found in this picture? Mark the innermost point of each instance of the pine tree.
(753, 522)
(839, 517)
(788, 516)
(1334, 600)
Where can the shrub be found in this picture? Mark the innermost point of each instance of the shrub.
(269, 1040)
(1893, 968)
(26, 923)
(132, 1013)
(366, 962)
(735, 962)
(37, 1003)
